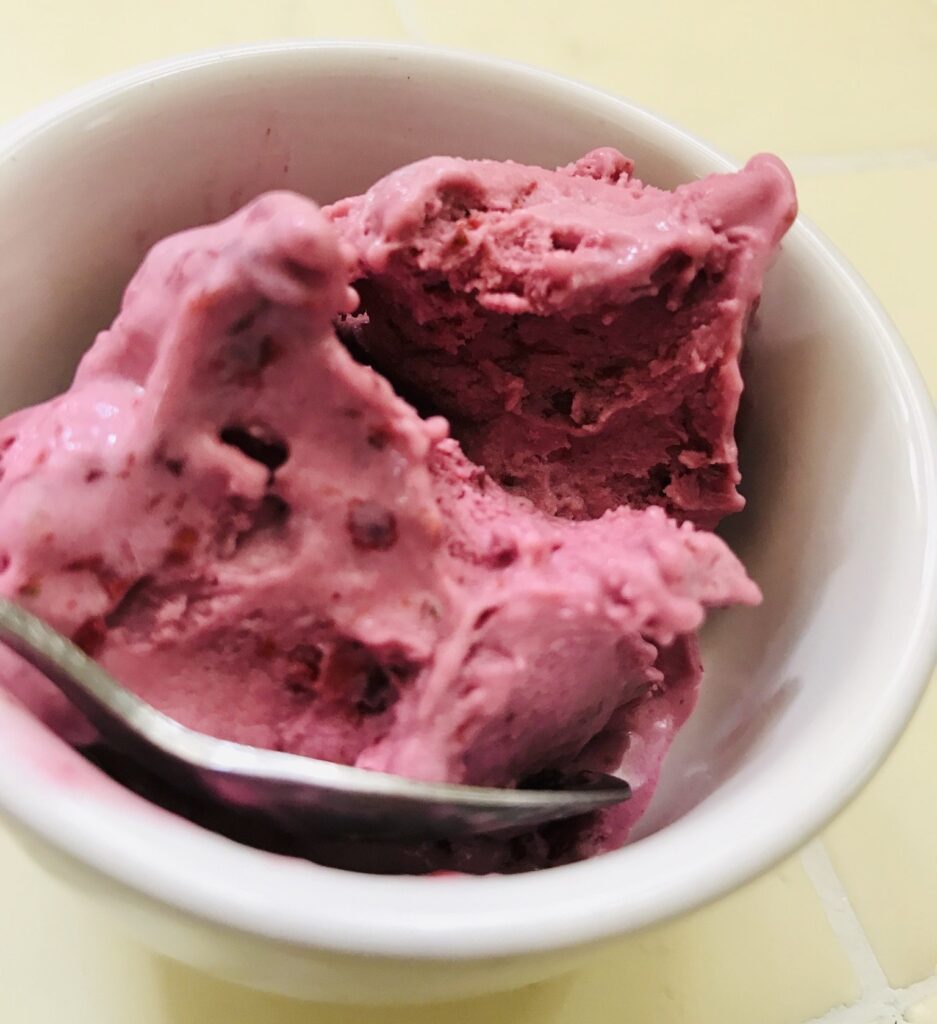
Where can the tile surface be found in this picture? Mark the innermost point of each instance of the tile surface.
(846, 90)
(883, 220)
(735, 957)
(799, 77)
(40, 60)
(923, 1012)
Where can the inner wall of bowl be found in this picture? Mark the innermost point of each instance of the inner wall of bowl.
(832, 535)
(188, 149)
(824, 454)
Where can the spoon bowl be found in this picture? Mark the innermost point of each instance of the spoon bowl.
(299, 793)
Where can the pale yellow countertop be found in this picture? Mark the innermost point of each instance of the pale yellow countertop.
(846, 92)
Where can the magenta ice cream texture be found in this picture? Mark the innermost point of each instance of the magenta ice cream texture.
(469, 541)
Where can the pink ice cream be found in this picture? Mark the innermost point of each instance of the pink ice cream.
(250, 528)
(580, 330)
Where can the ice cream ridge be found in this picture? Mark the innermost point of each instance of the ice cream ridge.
(422, 481)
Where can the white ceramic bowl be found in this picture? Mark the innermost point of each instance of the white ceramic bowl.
(803, 697)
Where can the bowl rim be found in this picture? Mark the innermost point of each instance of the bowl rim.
(470, 917)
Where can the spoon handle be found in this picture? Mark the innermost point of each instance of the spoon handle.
(301, 791)
(84, 682)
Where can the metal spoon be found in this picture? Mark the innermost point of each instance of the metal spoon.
(298, 792)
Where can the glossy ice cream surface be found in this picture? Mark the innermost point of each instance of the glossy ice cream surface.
(469, 540)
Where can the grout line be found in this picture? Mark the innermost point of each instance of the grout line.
(843, 920)
(852, 162)
(876, 1011)
(888, 1006)
(878, 1002)
(907, 997)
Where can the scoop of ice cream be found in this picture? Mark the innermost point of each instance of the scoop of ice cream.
(580, 329)
(255, 531)
(215, 438)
